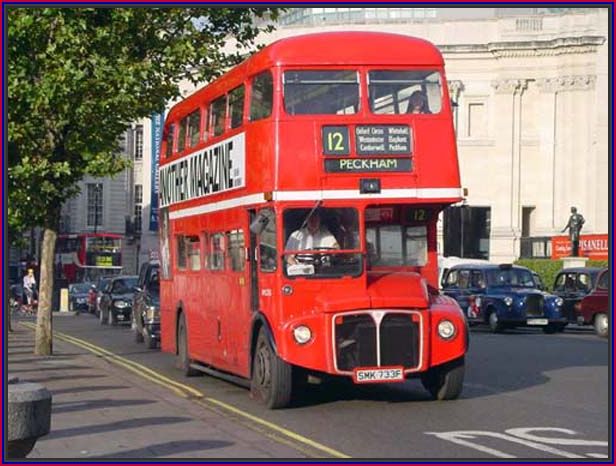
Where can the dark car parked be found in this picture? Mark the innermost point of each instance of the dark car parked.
(593, 308)
(146, 310)
(572, 285)
(503, 296)
(117, 300)
(78, 296)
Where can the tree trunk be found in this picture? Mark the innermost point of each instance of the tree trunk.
(43, 345)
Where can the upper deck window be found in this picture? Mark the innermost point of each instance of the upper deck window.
(217, 115)
(333, 92)
(262, 96)
(182, 134)
(169, 141)
(194, 127)
(236, 106)
(399, 92)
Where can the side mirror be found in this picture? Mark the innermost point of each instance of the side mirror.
(259, 223)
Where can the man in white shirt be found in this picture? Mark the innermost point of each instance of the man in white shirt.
(312, 236)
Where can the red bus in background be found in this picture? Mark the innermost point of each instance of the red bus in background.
(355, 129)
(86, 256)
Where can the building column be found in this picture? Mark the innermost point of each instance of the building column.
(506, 230)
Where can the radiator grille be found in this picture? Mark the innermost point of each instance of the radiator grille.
(534, 305)
(356, 341)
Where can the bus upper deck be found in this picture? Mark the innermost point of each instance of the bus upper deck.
(321, 124)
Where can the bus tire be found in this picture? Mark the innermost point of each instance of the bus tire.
(182, 360)
(445, 382)
(272, 378)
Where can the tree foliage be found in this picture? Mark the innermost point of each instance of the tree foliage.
(77, 76)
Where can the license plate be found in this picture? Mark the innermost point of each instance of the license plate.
(378, 375)
(537, 322)
(120, 317)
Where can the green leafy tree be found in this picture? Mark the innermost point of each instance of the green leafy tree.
(77, 77)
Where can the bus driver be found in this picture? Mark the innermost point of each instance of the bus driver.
(312, 236)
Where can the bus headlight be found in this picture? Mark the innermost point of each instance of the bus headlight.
(302, 334)
(446, 329)
(508, 300)
(120, 304)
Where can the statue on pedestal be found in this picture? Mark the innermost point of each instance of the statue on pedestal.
(574, 225)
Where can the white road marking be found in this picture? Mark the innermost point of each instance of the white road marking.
(521, 436)
(524, 432)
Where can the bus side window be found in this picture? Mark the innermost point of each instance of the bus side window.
(182, 134)
(194, 127)
(261, 96)
(193, 246)
(236, 106)
(217, 251)
(217, 115)
(169, 141)
(180, 257)
(237, 252)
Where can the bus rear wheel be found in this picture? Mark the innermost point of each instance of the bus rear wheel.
(272, 378)
(183, 361)
(445, 382)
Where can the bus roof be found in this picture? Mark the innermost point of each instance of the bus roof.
(320, 49)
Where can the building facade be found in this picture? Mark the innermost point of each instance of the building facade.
(530, 89)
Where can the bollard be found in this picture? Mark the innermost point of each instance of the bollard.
(29, 416)
(64, 300)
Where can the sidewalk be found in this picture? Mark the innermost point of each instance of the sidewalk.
(101, 411)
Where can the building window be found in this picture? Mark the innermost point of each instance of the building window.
(94, 205)
(477, 121)
(138, 207)
(138, 212)
(138, 142)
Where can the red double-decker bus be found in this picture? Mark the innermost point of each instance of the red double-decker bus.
(86, 256)
(299, 198)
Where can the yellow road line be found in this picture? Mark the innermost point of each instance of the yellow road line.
(282, 430)
(186, 391)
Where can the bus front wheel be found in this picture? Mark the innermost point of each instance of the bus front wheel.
(272, 378)
(445, 382)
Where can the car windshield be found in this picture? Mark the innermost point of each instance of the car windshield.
(80, 287)
(511, 277)
(124, 285)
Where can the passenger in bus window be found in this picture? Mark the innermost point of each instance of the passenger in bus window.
(312, 236)
(418, 103)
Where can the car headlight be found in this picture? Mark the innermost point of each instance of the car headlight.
(559, 301)
(302, 334)
(508, 300)
(120, 304)
(151, 313)
(446, 329)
